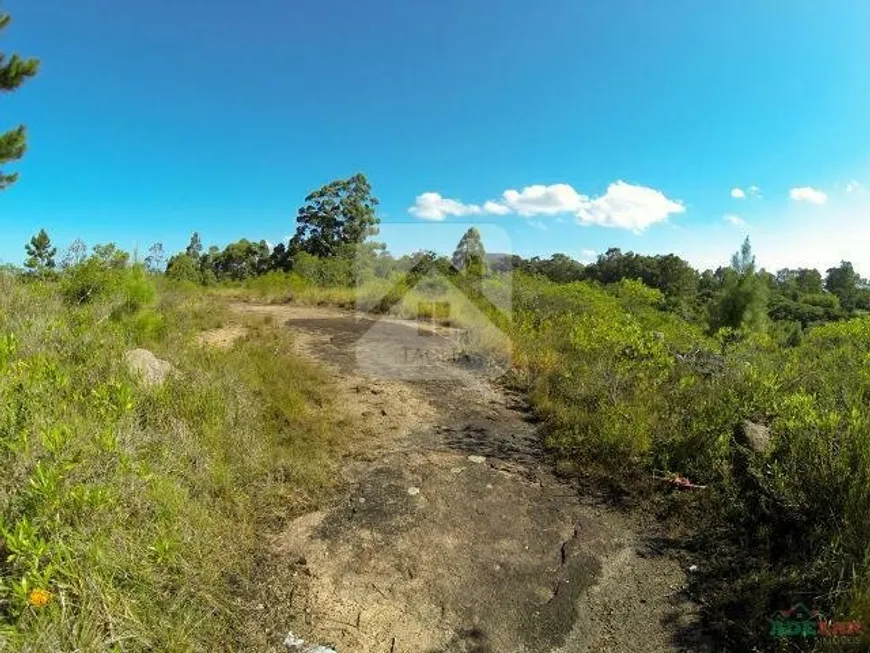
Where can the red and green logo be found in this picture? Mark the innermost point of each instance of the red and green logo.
(800, 621)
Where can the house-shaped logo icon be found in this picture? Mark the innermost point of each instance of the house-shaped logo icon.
(797, 621)
(456, 318)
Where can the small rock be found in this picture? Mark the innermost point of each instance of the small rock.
(456, 470)
(755, 437)
(413, 491)
(145, 365)
(477, 460)
(293, 643)
(693, 568)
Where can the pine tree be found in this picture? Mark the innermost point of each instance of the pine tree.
(470, 257)
(13, 72)
(742, 301)
(40, 253)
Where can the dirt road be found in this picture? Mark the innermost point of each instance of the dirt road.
(453, 534)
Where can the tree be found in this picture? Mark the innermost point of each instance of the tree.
(559, 267)
(470, 257)
(280, 258)
(670, 274)
(40, 253)
(194, 247)
(75, 254)
(182, 267)
(844, 282)
(340, 213)
(13, 72)
(207, 264)
(242, 259)
(111, 256)
(154, 260)
(742, 301)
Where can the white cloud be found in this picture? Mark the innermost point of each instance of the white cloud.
(544, 200)
(854, 187)
(808, 194)
(754, 191)
(738, 193)
(495, 208)
(627, 206)
(537, 224)
(624, 205)
(431, 206)
(736, 220)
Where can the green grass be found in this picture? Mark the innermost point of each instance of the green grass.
(141, 511)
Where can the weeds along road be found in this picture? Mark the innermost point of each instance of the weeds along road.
(451, 532)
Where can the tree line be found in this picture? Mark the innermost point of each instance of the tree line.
(337, 222)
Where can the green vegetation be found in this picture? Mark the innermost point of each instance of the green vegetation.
(130, 515)
(14, 71)
(642, 366)
(40, 253)
(470, 256)
(639, 367)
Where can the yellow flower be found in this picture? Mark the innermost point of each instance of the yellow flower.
(39, 598)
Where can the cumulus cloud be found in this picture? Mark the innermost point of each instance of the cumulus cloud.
(623, 206)
(808, 194)
(738, 193)
(853, 187)
(495, 208)
(431, 206)
(736, 220)
(627, 206)
(544, 200)
(754, 191)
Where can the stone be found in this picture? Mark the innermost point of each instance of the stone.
(151, 370)
(755, 437)
(477, 460)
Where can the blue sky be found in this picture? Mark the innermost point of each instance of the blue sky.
(150, 120)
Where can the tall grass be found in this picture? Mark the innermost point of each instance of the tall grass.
(128, 514)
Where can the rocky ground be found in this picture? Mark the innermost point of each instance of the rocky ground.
(453, 534)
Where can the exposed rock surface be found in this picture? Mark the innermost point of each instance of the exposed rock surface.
(151, 370)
